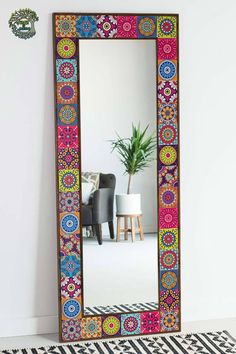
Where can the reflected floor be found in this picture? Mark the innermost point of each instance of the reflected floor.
(102, 310)
(122, 272)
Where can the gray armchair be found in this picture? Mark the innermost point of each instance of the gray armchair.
(100, 208)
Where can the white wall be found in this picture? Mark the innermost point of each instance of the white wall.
(118, 88)
(208, 164)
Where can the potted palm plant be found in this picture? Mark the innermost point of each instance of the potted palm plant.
(136, 153)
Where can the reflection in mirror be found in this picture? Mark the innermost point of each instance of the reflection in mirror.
(118, 91)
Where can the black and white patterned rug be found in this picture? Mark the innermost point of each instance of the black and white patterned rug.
(103, 310)
(202, 343)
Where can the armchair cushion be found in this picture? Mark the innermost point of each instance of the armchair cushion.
(91, 177)
(86, 192)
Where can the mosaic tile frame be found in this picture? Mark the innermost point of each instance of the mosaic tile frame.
(68, 30)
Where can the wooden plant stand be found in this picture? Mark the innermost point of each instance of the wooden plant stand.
(128, 229)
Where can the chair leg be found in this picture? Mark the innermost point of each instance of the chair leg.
(98, 229)
(93, 230)
(111, 229)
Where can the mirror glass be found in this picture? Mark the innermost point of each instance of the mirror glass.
(120, 255)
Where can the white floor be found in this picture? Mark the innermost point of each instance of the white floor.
(52, 339)
(140, 251)
(127, 270)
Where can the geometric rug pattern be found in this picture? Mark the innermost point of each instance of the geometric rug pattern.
(202, 343)
(103, 310)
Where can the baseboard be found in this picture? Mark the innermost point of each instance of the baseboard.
(28, 326)
(148, 229)
(210, 325)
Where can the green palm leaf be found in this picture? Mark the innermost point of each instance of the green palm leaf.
(137, 152)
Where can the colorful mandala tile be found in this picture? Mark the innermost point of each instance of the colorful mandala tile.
(150, 322)
(106, 26)
(71, 287)
(147, 26)
(71, 309)
(70, 266)
(166, 27)
(68, 180)
(66, 48)
(69, 202)
(169, 280)
(66, 70)
(69, 223)
(67, 137)
(70, 245)
(67, 93)
(167, 70)
(91, 327)
(168, 155)
(127, 26)
(130, 324)
(168, 239)
(168, 134)
(169, 300)
(168, 218)
(167, 114)
(65, 26)
(168, 197)
(86, 26)
(167, 92)
(169, 260)
(68, 158)
(170, 321)
(71, 330)
(67, 115)
(111, 326)
(167, 48)
(168, 176)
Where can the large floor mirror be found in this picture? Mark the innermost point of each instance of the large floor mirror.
(116, 92)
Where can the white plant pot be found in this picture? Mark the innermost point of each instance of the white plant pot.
(128, 204)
